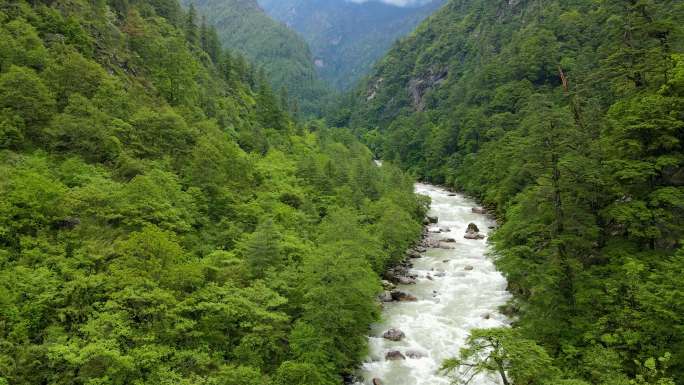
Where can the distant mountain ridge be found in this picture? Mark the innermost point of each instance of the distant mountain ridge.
(243, 26)
(347, 37)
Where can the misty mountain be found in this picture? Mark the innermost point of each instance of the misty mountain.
(347, 37)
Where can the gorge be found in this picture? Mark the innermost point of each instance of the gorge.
(184, 201)
(457, 289)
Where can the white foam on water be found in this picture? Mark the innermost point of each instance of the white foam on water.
(448, 307)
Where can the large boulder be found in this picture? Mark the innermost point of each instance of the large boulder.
(406, 280)
(394, 355)
(402, 297)
(399, 270)
(393, 335)
(408, 298)
(473, 236)
(386, 296)
(473, 232)
(413, 254)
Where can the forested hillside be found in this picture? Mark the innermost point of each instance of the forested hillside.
(164, 221)
(347, 37)
(284, 56)
(567, 118)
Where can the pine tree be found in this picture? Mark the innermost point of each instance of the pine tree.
(262, 249)
(191, 30)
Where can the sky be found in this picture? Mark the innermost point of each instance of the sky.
(399, 3)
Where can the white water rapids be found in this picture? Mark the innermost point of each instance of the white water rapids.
(448, 307)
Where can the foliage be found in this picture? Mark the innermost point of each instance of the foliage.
(565, 117)
(347, 37)
(502, 352)
(163, 220)
(243, 27)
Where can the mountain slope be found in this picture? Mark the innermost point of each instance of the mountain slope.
(164, 221)
(346, 38)
(242, 26)
(567, 117)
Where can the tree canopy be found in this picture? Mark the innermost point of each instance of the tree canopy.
(164, 219)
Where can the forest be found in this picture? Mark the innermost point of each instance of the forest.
(244, 28)
(567, 119)
(179, 208)
(347, 37)
(163, 217)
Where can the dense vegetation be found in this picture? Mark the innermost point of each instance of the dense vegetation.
(243, 27)
(164, 221)
(347, 37)
(567, 117)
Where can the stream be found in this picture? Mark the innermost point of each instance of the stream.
(464, 293)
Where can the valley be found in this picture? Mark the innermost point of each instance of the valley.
(330, 192)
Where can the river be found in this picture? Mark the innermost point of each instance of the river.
(467, 296)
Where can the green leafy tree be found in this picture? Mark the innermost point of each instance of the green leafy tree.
(24, 96)
(293, 373)
(502, 352)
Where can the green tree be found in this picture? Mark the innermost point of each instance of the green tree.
(502, 352)
(26, 97)
(262, 249)
(192, 34)
(294, 373)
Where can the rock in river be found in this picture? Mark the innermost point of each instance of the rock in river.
(473, 236)
(415, 354)
(413, 254)
(386, 296)
(393, 335)
(394, 355)
(402, 297)
(406, 280)
(432, 219)
(479, 210)
(473, 232)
